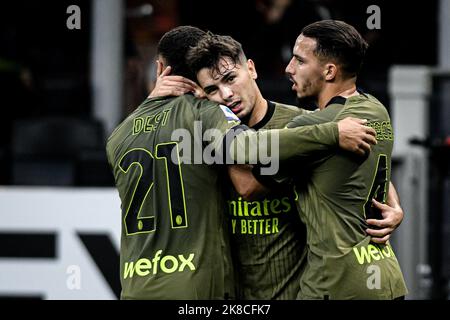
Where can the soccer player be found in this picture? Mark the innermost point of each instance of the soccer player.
(268, 238)
(174, 242)
(267, 235)
(336, 199)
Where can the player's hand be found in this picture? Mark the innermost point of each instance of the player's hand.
(355, 137)
(245, 183)
(392, 218)
(167, 85)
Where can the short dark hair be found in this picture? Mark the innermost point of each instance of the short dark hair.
(174, 46)
(339, 41)
(210, 49)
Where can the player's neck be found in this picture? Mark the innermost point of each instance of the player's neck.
(344, 89)
(259, 111)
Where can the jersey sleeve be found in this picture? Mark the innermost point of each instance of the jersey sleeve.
(222, 129)
(319, 140)
(248, 146)
(323, 116)
(302, 111)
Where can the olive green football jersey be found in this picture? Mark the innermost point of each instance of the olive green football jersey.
(268, 238)
(174, 242)
(342, 263)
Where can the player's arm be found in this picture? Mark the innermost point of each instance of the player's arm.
(392, 214)
(288, 143)
(355, 141)
(349, 134)
(303, 141)
(245, 183)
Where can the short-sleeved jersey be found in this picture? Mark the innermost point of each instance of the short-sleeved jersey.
(268, 238)
(342, 263)
(174, 242)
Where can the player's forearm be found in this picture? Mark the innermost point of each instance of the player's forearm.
(248, 187)
(393, 199)
(254, 147)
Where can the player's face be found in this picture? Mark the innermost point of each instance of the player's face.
(234, 85)
(305, 70)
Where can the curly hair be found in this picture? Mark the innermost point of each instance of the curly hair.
(174, 46)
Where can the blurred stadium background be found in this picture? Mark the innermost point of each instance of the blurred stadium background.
(63, 91)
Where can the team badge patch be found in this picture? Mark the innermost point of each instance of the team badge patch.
(228, 113)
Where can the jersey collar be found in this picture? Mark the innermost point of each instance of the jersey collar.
(342, 100)
(336, 100)
(267, 116)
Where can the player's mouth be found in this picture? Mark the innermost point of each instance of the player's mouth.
(294, 84)
(235, 106)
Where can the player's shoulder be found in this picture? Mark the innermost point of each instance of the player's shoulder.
(188, 101)
(148, 107)
(122, 128)
(212, 111)
(375, 102)
(286, 108)
(369, 103)
(363, 99)
(185, 106)
(197, 103)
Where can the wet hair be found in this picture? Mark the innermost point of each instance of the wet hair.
(174, 45)
(338, 41)
(211, 49)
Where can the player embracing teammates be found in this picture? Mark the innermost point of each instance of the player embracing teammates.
(268, 238)
(174, 242)
(336, 198)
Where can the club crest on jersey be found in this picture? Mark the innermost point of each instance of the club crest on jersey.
(228, 113)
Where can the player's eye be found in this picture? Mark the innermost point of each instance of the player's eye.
(211, 91)
(231, 78)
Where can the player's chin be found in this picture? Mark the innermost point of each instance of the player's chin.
(243, 113)
(301, 94)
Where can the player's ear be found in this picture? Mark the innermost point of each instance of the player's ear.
(252, 69)
(330, 71)
(160, 65)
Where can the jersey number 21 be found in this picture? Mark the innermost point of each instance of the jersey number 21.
(134, 220)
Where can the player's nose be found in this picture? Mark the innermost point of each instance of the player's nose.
(289, 68)
(226, 93)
